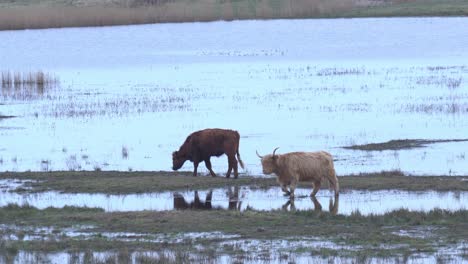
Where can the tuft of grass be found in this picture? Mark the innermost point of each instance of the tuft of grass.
(19, 85)
(19, 79)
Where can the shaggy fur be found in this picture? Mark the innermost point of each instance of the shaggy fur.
(202, 145)
(294, 167)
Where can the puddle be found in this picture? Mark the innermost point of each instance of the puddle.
(351, 85)
(367, 202)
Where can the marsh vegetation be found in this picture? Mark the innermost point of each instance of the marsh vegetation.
(26, 85)
(401, 144)
(232, 234)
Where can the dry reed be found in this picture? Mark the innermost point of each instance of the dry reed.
(17, 79)
(19, 85)
(29, 17)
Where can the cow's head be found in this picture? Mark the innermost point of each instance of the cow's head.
(177, 160)
(268, 162)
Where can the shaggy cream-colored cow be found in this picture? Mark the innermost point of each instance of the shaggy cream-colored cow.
(291, 168)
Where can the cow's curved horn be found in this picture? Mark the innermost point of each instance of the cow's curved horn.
(275, 151)
(258, 154)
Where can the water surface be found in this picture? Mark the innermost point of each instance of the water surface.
(130, 95)
(243, 198)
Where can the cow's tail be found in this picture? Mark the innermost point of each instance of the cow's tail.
(333, 180)
(241, 163)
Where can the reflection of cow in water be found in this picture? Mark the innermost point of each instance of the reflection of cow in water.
(181, 203)
(332, 206)
(234, 202)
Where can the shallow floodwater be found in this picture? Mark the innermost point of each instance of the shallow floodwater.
(366, 202)
(128, 96)
(271, 256)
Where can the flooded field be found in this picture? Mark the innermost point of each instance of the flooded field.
(268, 256)
(128, 96)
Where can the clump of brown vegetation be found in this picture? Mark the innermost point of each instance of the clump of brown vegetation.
(25, 85)
(401, 144)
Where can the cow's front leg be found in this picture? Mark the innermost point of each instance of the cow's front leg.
(317, 205)
(292, 187)
(284, 188)
(316, 188)
(195, 167)
(208, 166)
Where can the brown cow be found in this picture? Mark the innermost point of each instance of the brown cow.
(202, 145)
(291, 168)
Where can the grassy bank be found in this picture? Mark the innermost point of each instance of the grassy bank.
(51, 14)
(144, 182)
(375, 235)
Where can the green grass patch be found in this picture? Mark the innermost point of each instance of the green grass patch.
(112, 182)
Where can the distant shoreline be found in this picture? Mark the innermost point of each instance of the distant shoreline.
(38, 15)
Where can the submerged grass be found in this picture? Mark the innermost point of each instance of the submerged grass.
(144, 182)
(47, 14)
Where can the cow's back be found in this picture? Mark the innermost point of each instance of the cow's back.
(309, 166)
(214, 141)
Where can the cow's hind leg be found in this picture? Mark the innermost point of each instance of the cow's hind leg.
(316, 188)
(231, 163)
(208, 166)
(236, 173)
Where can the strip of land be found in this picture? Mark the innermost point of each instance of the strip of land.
(31, 14)
(401, 144)
(112, 182)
